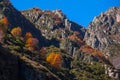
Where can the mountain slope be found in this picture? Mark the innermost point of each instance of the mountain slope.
(17, 19)
(55, 27)
(53, 50)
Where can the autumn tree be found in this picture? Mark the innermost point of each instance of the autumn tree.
(5, 21)
(3, 28)
(55, 60)
(4, 24)
(76, 38)
(87, 49)
(27, 36)
(16, 32)
(32, 43)
(50, 58)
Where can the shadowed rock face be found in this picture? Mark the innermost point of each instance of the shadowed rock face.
(9, 68)
(16, 67)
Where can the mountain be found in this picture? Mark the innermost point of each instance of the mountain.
(55, 27)
(103, 33)
(40, 44)
(52, 24)
(104, 29)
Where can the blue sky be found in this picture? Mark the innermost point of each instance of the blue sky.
(79, 11)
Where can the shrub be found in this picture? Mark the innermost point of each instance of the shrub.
(4, 24)
(55, 60)
(32, 44)
(16, 32)
(27, 36)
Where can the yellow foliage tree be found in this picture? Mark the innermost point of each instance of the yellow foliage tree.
(50, 57)
(16, 32)
(55, 60)
(28, 35)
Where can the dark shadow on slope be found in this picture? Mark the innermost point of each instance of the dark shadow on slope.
(9, 68)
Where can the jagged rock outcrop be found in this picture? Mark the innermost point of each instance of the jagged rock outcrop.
(103, 33)
(54, 26)
(104, 29)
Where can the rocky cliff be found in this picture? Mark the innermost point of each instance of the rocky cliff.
(54, 26)
(103, 33)
(104, 29)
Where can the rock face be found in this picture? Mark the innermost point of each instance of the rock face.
(104, 30)
(54, 26)
(52, 23)
(103, 33)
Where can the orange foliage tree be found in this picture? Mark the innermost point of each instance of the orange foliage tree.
(4, 24)
(87, 49)
(75, 38)
(5, 20)
(32, 43)
(55, 60)
(16, 32)
(3, 28)
(28, 35)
